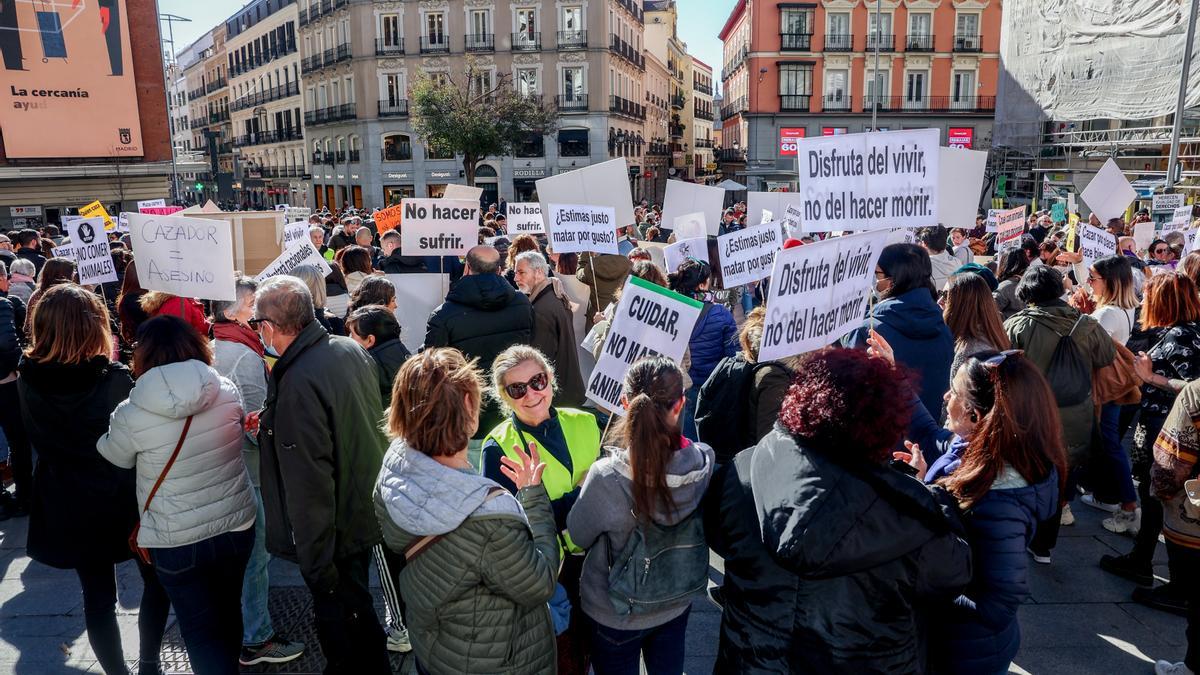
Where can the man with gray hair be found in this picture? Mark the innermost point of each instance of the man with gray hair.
(321, 449)
(553, 325)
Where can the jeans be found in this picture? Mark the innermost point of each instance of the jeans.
(347, 626)
(616, 652)
(687, 421)
(256, 618)
(1046, 535)
(204, 582)
(748, 298)
(1116, 473)
(20, 455)
(1183, 563)
(99, 584)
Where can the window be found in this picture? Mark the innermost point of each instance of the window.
(836, 97)
(573, 86)
(914, 89)
(534, 145)
(879, 29)
(437, 152)
(481, 22)
(838, 37)
(920, 35)
(796, 28)
(877, 88)
(967, 25)
(527, 82)
(435, 28)
(962, 93)
(795, 85)
(397, 148)
(393, 89)
(573, 143)
(527, 26)
(482, 83)
(389, 30)
(572, 18)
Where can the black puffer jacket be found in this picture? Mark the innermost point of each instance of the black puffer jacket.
(482, 316)
(389, 356)
(845, 564)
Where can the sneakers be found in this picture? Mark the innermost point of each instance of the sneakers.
(1125, 567)
(1165, 598)
(1124, 522)
(1067, 517)
(1168, 668)
(1090, 500)
(274, 650)
(397, 639)
(1039, 557)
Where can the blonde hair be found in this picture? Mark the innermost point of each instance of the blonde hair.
(70, 326)
(511, 358)
(750, 336)
(427, 402)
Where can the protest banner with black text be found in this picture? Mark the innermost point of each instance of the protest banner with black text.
(603, 184)
(388, 219)
(1095, 243)
(89, 246)
(575, 228)
(747, 255)
(439, 226)
(151, 203)
(525, 218)
(682, 198)
(189, 257)
(1010, 225)
(301, 252)
(97, 210)
(294, 232)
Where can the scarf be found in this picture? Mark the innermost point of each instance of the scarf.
(556, 287)
(236, 332)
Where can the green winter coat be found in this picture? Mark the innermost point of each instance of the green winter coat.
(476, 598)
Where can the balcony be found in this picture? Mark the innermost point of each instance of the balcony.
(335, 113)
(739, 57)
(438, 44)
(702, 112)
(218, 117)
(886, 41)
(480, 42)
(731, 155)
(280, 50)
(318, 158)
(630, 6)
(397, 108)
(389, 47)
(401, 152)
(526, 41)
(281, 171)
(702, 88)
(677, 101)
(626, 51)
(225, 148)
(676, 130)
(343, 53)
(967, 43)
(795, 42)
(793, 102)
(273, 94)
(703, 143)
(304, 17)
(734, 107)
(572, 39)
(919, 43)
(199, 122)
(839, 42)
(354, 156)
(941, 104)
(266, 137)
(571, 102)
(836, 102)
(623, 106)
(310, 63)
(216, 84)
(196, 94)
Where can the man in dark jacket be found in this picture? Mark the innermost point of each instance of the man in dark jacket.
(482, 316)
(20, 457)
(29, 247)
(553, 325)
(605, 273)
(321, 450)
(393, 262)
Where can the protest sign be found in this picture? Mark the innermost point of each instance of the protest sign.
(294, 232)
(89, 248)
(65, 251)
(575, 228)
(680, 251)
(1058, 212)
(281, 207)
(1072, 229)
(1095, 243)
(438, 226)
(690, 226)
(792, 219)
(1109, 192)
(819, 292)
(960, 181)
(649, 321)
(990, 223)
(683, 198)
(300, 252)
(97, 210)
(759, 205)
(767, 217)
(161, 210)
(747, 255)
(603, 184)
(417, 295)
(293, 213)
(525, 218)
(189, 257)
(658, 252)
(123, 221)
(1143, 234)
(463, 192)
(1010, 225)
(388, 219)
(256, 236)
(1180, 218)
(151, 203)
(1166, 202)
(869, 181)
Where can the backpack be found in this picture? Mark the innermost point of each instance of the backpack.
(660, 567)
(724, 416)
(1069, 376)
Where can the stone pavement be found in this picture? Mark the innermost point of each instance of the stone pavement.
(1080, 619)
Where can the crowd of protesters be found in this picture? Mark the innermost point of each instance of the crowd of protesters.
(515, 527)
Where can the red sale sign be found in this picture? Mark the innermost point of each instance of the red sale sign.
(960, 137)
(787, 141)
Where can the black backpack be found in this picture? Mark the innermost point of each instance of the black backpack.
(1068, 373)
(724, 417)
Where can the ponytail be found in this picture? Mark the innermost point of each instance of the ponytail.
(652, 387)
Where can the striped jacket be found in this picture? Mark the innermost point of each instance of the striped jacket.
(1175, 454)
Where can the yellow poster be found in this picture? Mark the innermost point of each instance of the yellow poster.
(97, 210)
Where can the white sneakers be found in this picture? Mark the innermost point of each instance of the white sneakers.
(397, 640)
(1124, 522)
(1168, 668)
(1090, 500)
(1067, 518)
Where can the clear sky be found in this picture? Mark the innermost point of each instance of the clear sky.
(699, 23)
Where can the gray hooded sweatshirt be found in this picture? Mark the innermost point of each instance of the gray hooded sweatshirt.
(603, 517)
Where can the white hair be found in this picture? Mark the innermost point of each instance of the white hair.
(535, 260)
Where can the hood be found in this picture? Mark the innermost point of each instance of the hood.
(1040, 500)
(1059, 316)
(914, 314)
(688, 474)
(424, 497)
(554, 286)
(152, 301)
(819, 520)
(177, 390)
(944, 264)
(488, 292)
(610, 267)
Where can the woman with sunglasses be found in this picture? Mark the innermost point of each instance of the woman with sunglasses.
(567, 440)
(1161, 253)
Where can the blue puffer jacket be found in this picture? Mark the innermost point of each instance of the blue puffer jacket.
(713, 338)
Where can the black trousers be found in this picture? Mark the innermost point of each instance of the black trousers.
(20, 455)
(99, 584)
(347, 626)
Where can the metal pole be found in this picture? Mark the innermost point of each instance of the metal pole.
(171, 19)
(875, 74)
(1179, 106)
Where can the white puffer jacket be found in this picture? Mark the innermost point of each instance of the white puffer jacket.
(207, 492)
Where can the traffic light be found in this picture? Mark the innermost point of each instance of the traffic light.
(199, 186)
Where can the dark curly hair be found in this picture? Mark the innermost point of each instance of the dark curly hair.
(847, 402)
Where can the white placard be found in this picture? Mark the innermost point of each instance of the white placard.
(690, 226)
(575, 228)
(1109, 193)
(1095, 243)
(281, 207)
(300, 252)
(89, 247)
(463, 192)
(747, 255)
(1010, 226)
(757, 203)
(684, 198)
(123, 221)
(1143, 234)
(1166, 202)
(676, 253)
(151, 204)
(438, 226)
(294, 213)
(792, 219)
(188, 257)
(658, 253)
(65, 251)
(767, 217)
(960, 180)
(417, 295)
(1180, 218)
(525, 218)
(819, 292)
(869, 181)
(603, 184)
(649, 321)
(294, 232)
(990, 223)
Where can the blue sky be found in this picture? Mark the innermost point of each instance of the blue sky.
(699, 23)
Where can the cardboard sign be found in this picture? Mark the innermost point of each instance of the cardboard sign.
(990, 222)
(65, 251)
(294, 213)
(767, 217)
(294, 232)
(184, 256)
(680, 251)
(123, 221)
(417, 295)
(603, 184)
(89, 248)
(658, 256)
(97, 210)
(1143, 234)
(256, 237)
(1109, 193)
(747, 255)
(870, 181)
(388, 219)
(1166, 202)
(1058, 212)
(684, 198)
(761, 204)
(1180, 219)
(792, 219)
(1096, 243)
(463, 192)
(575, 228)
(960, 180)
(1010, 225)
(819, 292)
(525, 218)
(300, 252)
(151, 203)
(690, 226)
(438, 226)
(649, 321)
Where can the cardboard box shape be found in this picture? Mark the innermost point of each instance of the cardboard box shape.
(256, 237)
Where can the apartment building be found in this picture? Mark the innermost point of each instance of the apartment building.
(658, 120)
(703, 167)
(206, 74)
(359, 60)
(793, 70)
(263, 61)
(662, 40)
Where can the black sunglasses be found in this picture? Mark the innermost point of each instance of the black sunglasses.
(517, 390)
(256, 321)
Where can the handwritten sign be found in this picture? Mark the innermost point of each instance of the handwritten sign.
(1096, 243)
(151, 203)
(388, 219)
(89, 246)
(97, 210)
(575, 228)
(188, 257)
(680, 251)
(300, 252)
(1010, 225)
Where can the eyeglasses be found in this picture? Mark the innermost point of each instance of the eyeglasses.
(1160, 251)
(995, 361)
(517, 390)
(256, 322)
